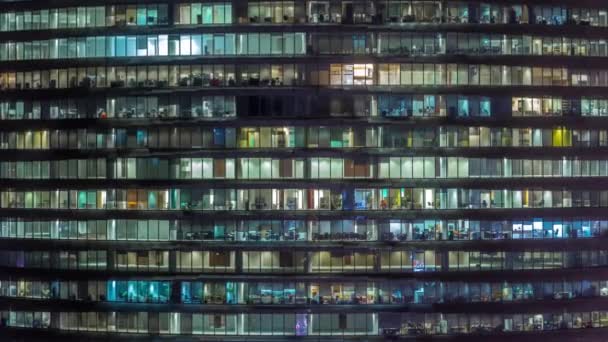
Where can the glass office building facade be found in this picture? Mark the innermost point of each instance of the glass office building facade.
(319, 170)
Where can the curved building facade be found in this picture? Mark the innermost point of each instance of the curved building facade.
(348, 170)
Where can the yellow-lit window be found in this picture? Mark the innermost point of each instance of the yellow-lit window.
(562, 137)
(249, 138)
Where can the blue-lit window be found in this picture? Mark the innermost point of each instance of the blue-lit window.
(463, 106)
(138, 291)
(359, 44)
(131, 46)
(141, 16)
(121, 46)
(485, 107)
